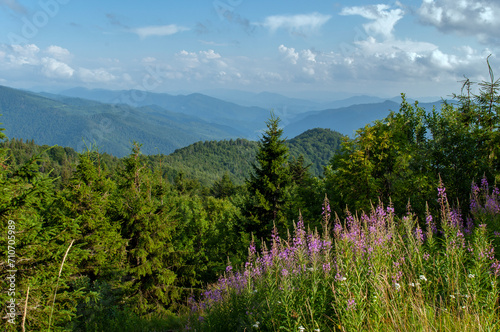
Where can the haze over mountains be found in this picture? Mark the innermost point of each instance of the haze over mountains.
(163, 122)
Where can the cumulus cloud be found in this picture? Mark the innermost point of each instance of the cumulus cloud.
(55, 69)
(58, 52)
(466, 17)
(29, 61)
(23, 55)
(198, 66)
(194, 59)
(392, 61)
(289, 53)
(99, 75)
(305, 65)
(296, 24)
(210, 54)
(382, 16)
(159, 30)
(148, 59)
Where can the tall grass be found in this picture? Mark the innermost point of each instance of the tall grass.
(373, 272)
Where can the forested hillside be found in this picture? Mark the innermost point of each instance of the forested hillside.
(77, 122)
(205, 162)
(401, 230)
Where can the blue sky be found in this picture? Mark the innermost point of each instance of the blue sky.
(298, 48)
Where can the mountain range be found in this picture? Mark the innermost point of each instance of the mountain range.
(112, 120)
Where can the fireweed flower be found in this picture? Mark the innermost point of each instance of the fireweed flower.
(351, 304)
(419, 235)
(442, 199)
(430, 224)
(495, 266)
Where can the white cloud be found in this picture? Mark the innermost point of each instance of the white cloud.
(148, 59)
(24, 55)
(296, 24)
(55, 69)
(309, 55)
(210, 54)
(371, 46)
(58, 53)
(392, 61)
(290, 53)
(193, 59)
(99, 75)
(159, 30)
(383, 18)
(201, 66)
(465, 17)
(305, 65)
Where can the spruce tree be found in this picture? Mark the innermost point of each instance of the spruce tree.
(269, 183)
(145, 211)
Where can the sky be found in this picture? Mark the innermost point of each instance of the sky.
(294, 47)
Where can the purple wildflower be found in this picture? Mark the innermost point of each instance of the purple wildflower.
(351, 304)
(419, 235)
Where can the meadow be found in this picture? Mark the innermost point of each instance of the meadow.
(370, 272)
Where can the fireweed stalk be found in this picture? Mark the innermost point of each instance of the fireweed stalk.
(370, 272)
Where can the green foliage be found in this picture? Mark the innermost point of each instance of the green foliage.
(385, 160)
(405, 155)
(38, 242)
(269, 183)
(210, 160)
(317, 147)
(113, 127)
(145, 213)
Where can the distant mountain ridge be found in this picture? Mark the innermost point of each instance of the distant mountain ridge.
(162, 122)
(297, 115)
(76, 122)
(346, 120)
(248, 119)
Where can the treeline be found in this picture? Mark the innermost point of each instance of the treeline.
(122, 244)
(204, 162)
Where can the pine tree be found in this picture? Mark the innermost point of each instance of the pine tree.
(145, 212)
(268, 184)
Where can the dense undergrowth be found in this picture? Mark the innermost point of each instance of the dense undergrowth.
(371, 272)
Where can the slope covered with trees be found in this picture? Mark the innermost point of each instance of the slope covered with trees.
(77, 122)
